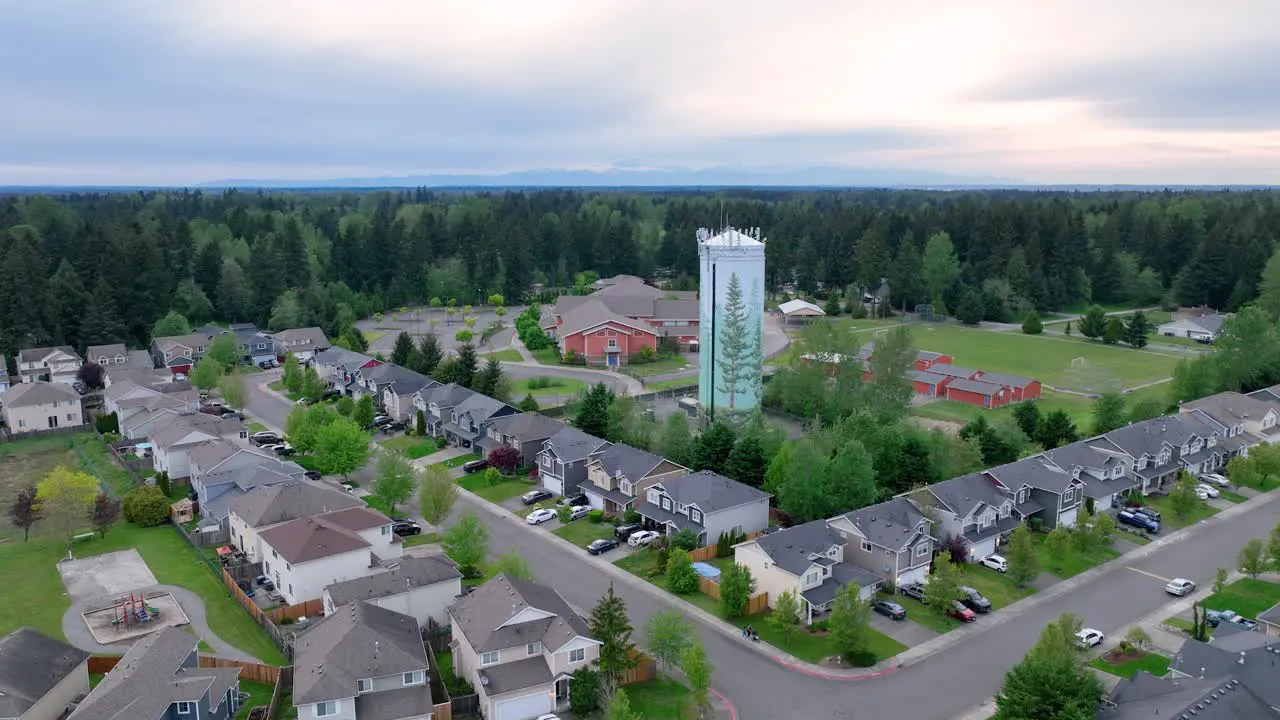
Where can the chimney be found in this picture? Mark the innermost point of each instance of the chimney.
(375, 649)
(1241, 657)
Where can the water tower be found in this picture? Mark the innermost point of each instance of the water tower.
(731, 320)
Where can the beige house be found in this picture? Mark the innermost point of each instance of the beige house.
(41, 405)
(302, 343)
(618, 474)
(39, 676)
(517, 643)
(55, 364)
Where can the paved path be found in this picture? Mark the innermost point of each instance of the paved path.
(77, 633)
(619, 383)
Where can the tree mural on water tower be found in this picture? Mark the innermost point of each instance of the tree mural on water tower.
(736, 343)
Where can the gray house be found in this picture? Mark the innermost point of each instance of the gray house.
(972, 508)
(526, 432)
(437, 403)
(1040, 489)
(255, 346)
(362, 662)
(221, 473)
(423, 587)
(39, 676)
(470, 418)
(705, 502)
(160, 678)
(1102, 467)
(1162, 447)
(892, 539)
(562, 462)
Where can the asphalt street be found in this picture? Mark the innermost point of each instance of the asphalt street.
(945, 685)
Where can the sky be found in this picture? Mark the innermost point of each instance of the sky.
(158, 92)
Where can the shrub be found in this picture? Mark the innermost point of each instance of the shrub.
(146, 506)
(111, 438)
(107, 424)
(584, 691)
(686, 540)
(563, 512)
(441, 443)
(162, 482)
(595, 517)
(682, 579)
(630, 517)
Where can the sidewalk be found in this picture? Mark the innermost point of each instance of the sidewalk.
(634, 387)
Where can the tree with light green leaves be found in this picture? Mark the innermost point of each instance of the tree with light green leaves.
(224, 350)
(850, 626)
(341, 448)
(231, 388)
(666, 634)
(292, 377)
(206, 374)
(785, 618)
(1053, 681)
(395, 479)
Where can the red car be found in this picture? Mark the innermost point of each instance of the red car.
(961, 613)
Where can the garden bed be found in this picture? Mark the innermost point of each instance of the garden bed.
(1128, 663)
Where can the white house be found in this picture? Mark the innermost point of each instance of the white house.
(302, 343)
(55, 364)
(304, 556)
(1197, 327)
(267, 506)
(40, 405)
(423, 587)
(174, 439)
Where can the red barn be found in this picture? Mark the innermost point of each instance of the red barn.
(955, 371)
(979, 393)
(1022, 388)
(925, 359)
(927, 383)
(602, 337)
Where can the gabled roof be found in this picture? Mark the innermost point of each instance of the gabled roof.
(594, 313)
(480, 407)
(954, 371)
(211, 453)
(309, 337)
(184, 425)
(38, 392)
(1230, 408)
(401, 380)
(664, 309)
(191, 341)
(1002, 379)
(791, 547)
(980, 387)
(1211, 322)
(150, 677)
(528, 426)
(961, 495)
(891, 524)
(1256, 669)
(271, 504)
(571, 444)
(1149, 436)
(412, 572)
(709, 491)
(1085, 454)
(629, 462)
(1035, 471)
(482, 614)
(311, 538)
(445, 396)
(112, 351)
(791, 307)
(35, 355)
(357, 641)
(340, 356)
(925, 376)
(1146, 697)
(31, 664)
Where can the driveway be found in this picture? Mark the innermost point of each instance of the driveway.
(762, 689)
(906, 632)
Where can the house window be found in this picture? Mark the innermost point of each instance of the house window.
(200, 349)
(386, 529)
(627, 489)
(489, 658)
(1022, 495)
(666, 504)
(922, 549)
(833, 552)
(533, 648)
(866, 546)
(681, 508)
(71, 417)
(327, 708)
(812, 578)
(186, 708)
(262, 346)
(576, 656)
(1117, 471)
(363, 685)
(1004, 511)
(695, 516)
(654, 497)
(416, 677)
(613, 343)
(1068, 494)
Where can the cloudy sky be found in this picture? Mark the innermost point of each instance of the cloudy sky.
(1052, 91)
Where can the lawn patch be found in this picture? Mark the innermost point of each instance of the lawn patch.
(1246, 596)
(259, 694)
(505, 490)
(423, 539)
(254, 427)
(1182, 624)
(543, 387)
(996, 587)
(1126, 665)
(661, 366)
(410, 446)
(1073, 562)
(1233, 497)
(546, 356)
(660, 698)
(1170, 519)
(370, 336)
(507, 355)
(582, 533)
(454, 462)
(377, 504)
(670, 384)
(456, 686)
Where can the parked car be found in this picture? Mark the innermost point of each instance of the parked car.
(974, 600)
(574, 500)
(1217, 617)
(624, 532)
(392, 427)
(1180, 587)
(265, 438)
(1150, 512)
(602, 545)
(475, 465)
(1089, 638)
(1138, 520)
(1216, 479)
(995, 562)
(349, 487)
(889, 609)
(405, 528)
(284, 449)
(331, 395)
(644, 537)
(539, 516)
(1208, 489)
(915, 592)
(535, 496)
(303, 401)
(232, 415)
(312, 475)
(958, 611)
(578, 512)
(380, 419)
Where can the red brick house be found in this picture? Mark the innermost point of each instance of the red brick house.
(592, 332)
(667, 313)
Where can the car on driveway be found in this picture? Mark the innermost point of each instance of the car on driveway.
(1138, 520)
(958, 611)
(1180, 587)
(574, 500)
(995, 562)
(578, 512)
(602, 545)
(539, 516)
(349, 487)
(889, 609)
(405, 528)
(1209, 490)
(382, 419)
(1217, 617)
(1089, 638)
(283, 449)
(974, 600)
(394, 426)
(644, 537)
(624, 532)
(471, 466)
(1150, 512)
(312, 475)
(915, 592)
(535, 496)
(1215, 479)
(265, 438)
(1202, 492)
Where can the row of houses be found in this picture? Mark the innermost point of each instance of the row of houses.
(934, 375)
(178, 353)
(892, 543)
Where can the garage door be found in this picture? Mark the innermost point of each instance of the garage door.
(1068, 518)
(984, 548)
(914, 577)
(552, 484)
(523, 708)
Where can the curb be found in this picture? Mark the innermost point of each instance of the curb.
(938, 644)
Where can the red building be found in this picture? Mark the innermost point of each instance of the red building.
(1023, 388)
(979, 393)
(670, 314)
(601, 337)
(930, 384)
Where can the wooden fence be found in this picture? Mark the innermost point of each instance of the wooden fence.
(252, 671)
(443, 710)
(202, 539)
(310, 608)
(645, 669)
(102, 664)
(755, 604)
(284, 644)
(282, 695)
(704, 554)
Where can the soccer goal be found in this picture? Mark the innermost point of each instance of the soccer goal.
(1080, 363)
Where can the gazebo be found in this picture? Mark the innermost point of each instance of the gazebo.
(182, 511)
(799, 309)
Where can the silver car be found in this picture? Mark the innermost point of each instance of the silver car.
(1180, 587)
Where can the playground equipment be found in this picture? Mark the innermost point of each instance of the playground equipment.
(133, 610)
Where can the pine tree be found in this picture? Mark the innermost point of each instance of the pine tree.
(1114, 331)
(593, 414)
(712, 448)
(427, 356)
(403, 349)
(102, 321)
(467, 363)
(1093, 324)
(67, 303)
(609, 625)
(746, 463)
(489, 380)
(735, 343)
(1136, 330)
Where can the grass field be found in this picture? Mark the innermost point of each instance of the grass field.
(507, 355)
(661, 366)
(505, 490)
(1246, 596)
(371, 335)
(1045, 358)
(454, 462)
(1155, 664)
(1077, 407)
(1171, 520)
(670, 384)
(259, 694)
(412, 447)
(27, 462)
(546, 387)
(583, 533)
(1073, 562)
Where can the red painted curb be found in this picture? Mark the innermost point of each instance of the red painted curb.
(733, 714)
(827, 676)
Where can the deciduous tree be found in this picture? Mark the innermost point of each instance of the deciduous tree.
(170, 325)
(437, 493)
(467, 543)
(395, 481)
(1031, 324)
(504, 458)
(1093, 324)
(65, 499)
(1183, 498)
(785, 617)
(231, 388)
(24, 513)
(1109, 413)
(105, 513)
(205, 374)
(681, 578)
(512, 564)
(697, 670)
(666, 634)
(850, 626)
(1021, 555)
(1052, 681)
(712, 448)
(363, 413)
(341, 447)
(736, 588)
(1252, 560)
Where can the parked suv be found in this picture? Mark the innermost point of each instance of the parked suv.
(974, 600)
(915, 592)
(1138, 520)
(624, 532)
(1150, 512)
(475, 465)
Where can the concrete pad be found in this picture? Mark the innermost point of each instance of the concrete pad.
(107, 629)
(104, 576)
(904, 631)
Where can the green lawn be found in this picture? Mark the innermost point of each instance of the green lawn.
(660, 698)
(382, 507)
(254, 427)
(582, 533)
(670, 384)
(548, 387)
(1153, 663)
(1233, 497)
(504, 490)
(546, 356)
(454, 462)
(1170, 519)
(1073, 562)
(279, 387)
(371, 335)
(507, 355)
(1185, 626)
(1077, 407)
(1247, 596)
(413, 447)
(33, 595)
(997, 588)
(423, 539)
(808, 646)
(1045, 358)
(259, 694)
(661, 366)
